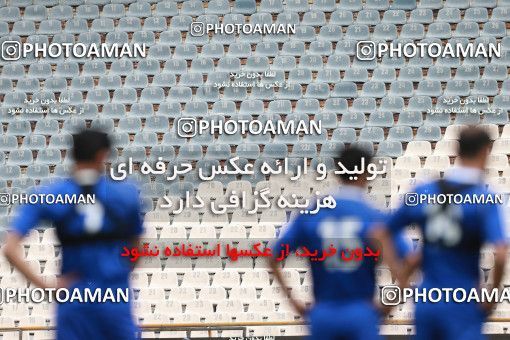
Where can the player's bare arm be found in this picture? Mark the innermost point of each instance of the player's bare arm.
(383, 237)
(500, 253)
(410, 264)
(13, 253)
(298, 306)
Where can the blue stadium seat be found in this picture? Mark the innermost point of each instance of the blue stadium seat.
(457, 3)
(136, 153)
(62, 141)
(410, 118)
(353, 120)
(332, 149)
(166, 8)
(20, 158)
(400, 134)
(403, 4)
(494, 28)
(380, 5)
(365, 145)
(373, 134)
(485, 87)
(190, 151)
(10, 14)
(389, 148)
(341, 17)
(430, 133)
(244, 7)
(357, 32)
(330, 33)
(363, 105)
(35, 13)
(218, 151)
(49, 157)
(38, 171)
(381, 119)
(132, 125)
(449, 15)
(311, 62)
(431, 4)
(248, 150)
(34, 142)
(180, 189)
(352, 5)
(376, 89)
(345, 89)
(275, 150)
(368, 17)
(394, 17)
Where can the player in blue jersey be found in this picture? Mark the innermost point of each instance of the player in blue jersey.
(92, 237)
(343, 290)
(453, 235)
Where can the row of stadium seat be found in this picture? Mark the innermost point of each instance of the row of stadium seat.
(292, 5)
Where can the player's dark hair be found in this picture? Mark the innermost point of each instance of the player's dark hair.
(472, 141)
(87, 143)
(352, 158)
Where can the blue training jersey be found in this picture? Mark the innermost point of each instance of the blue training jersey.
(95, 233)
(452, 236)
(347, 226)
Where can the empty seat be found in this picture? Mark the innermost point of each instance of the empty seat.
(363, 105)
(394, 17)
(488, 87)
(8, 143)
(49, 156)
(457, 88)
(20, 157)
(390, 148)
(400, 133)
(428, 133)
(34, 142)
(244, 7)
(494, 28)
(345, 135)
(10, 13)
(275, 150)
(357, 32)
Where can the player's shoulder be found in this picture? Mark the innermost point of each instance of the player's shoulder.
(476, 188)
(362, 206)
(427, 187)
(126, 190)
(434, 186)
(59, 186)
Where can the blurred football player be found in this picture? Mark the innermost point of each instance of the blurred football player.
(343, 290)
(92, 237)
(453, 235)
